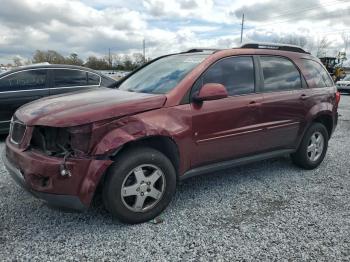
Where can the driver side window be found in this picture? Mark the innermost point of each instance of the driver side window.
(235, 73)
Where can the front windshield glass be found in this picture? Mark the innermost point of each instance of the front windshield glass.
(347, 78)
(162, 75)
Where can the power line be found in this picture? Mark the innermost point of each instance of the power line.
(328, 3)
(291, 19)
(330, 16)
(335, 32)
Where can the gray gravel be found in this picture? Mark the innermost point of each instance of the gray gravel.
(269, 210)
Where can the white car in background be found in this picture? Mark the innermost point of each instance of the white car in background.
(344, 84)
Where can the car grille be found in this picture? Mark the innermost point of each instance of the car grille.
(17, 131)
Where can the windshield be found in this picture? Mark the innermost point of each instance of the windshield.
(162, 75)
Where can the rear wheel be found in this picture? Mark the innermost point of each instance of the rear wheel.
(313, 147)
(139, 185)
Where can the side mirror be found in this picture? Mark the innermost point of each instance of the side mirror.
(211, 91)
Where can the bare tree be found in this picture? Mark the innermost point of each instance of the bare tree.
(139, 59)
(322, 45)
(346, 40)
(97, 63)
(292, 40)
(17, 61)
(49, 56)
(117, 60)
(73, 59)
(127, 63)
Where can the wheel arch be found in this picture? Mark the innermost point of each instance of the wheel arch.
(327, 120)
(322, 113)
(164, 144)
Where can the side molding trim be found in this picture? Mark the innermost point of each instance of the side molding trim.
(232, 163)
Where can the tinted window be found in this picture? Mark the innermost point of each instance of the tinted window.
(279, 74)
(66, 77)
(235, 73)
(317, 73)
(25, 80)
(108, 82)
(162, 75)
(93, 79)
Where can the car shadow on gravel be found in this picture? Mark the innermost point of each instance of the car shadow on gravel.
(213, 190)
(222, 188)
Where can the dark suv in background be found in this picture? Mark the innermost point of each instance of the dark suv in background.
(179, 116)
(25, 84)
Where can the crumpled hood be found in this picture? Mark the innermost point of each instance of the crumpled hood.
(87, 106)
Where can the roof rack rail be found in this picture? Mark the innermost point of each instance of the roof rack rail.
(274, 46)
(195, 50)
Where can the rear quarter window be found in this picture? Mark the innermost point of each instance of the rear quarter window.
(280, 74)
(317, 73)
(93, 79)
(68, 78)
(108, 82)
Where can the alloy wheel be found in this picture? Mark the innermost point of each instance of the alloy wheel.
(315, 146)
(143, 188)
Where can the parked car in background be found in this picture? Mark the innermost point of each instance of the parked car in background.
(178, 116)
(344, 84)
(25, 84)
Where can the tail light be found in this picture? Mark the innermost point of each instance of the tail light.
(337, 97)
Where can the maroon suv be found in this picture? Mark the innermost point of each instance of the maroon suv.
(179, 116)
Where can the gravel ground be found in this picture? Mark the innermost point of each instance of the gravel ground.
(269, 210)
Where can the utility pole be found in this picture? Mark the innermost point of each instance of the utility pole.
(109, 58)
(242, 27)
(144, 50)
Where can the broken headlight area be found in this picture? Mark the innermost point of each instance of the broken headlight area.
(61, 141)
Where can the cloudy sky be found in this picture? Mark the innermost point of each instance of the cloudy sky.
(89, 27)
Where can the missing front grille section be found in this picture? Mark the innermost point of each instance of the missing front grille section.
(52, 141)
(17, 132)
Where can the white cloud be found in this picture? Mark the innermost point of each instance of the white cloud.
(92, 27)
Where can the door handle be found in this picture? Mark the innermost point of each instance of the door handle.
(304, 96)
(253, 104)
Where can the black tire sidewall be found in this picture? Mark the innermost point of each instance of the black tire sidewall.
(121, 168)
(301, 155)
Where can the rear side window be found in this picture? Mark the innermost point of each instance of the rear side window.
(235, 73)
(67, 78)
(316, 72)
(93, 79)
(25, 80)
(280, 74)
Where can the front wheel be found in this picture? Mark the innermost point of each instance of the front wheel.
(139, 185)
(312, 148)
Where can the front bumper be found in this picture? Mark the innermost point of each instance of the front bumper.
(62, 201)
(40, 175)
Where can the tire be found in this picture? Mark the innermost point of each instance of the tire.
(303, 157)
(123, 192)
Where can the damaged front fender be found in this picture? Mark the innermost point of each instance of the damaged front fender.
(130, 129)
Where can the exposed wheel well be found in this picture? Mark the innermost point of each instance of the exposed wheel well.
(164, 144)
(327, 121)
